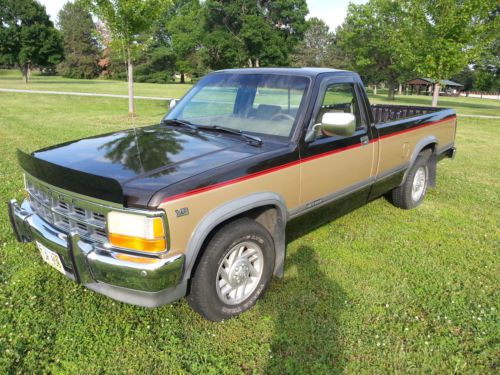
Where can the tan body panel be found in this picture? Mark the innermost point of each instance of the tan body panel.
(396, 150)
(300, 183)
(328, 174)
(285, 182)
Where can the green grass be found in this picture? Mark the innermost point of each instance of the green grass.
(12, 79)
(378, 290)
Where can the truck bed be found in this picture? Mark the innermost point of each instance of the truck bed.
(386, 112)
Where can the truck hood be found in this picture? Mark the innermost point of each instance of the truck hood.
(129, 166)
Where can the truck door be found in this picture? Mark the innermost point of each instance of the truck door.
(335, 166)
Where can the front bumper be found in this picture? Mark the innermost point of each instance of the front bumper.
(151, 284)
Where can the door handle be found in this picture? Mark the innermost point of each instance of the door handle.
(364, 140)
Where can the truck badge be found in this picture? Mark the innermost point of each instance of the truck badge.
(182, 212)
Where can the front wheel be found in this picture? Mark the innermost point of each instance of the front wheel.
(234, 271)
(412, 192)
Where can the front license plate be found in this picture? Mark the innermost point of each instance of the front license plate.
(50, 257)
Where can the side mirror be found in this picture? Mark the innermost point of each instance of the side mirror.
(334, 123)
(173, 102)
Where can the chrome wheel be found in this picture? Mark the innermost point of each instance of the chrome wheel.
(419, 184)
(240, 272)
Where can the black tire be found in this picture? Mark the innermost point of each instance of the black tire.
(206, 296)
(402, 196)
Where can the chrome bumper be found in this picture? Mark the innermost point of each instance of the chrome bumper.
(144, 284)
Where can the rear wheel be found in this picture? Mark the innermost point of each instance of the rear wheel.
(412, 192)
(234, 270)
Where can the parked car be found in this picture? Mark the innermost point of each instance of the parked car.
(197, 205)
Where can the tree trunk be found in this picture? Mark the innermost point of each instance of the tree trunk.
(183, 78)
(257, 63)
(24, 71)
(400, 91)
(250, 64)
(435, 94)
(130, 76)
(390, 92)
(374, 89)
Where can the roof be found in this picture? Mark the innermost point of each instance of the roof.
(310, 72)
(444, 82)
(447, 82)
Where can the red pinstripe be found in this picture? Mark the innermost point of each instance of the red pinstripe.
(293, 163)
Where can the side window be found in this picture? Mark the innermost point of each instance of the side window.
(341, 97)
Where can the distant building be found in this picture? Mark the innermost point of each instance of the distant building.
(426, 86)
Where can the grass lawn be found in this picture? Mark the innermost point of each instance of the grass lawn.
(377, 290)
(12, 79)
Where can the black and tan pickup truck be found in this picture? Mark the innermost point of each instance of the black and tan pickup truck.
(197, 205)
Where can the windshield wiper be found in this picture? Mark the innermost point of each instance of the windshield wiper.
(253, 138)
(178, 122)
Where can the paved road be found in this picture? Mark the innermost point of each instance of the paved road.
(83, 94)
(148, 98)
(480, 116)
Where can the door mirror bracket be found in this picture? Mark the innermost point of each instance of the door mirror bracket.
(334, 123)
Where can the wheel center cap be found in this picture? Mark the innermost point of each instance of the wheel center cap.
(240, 272)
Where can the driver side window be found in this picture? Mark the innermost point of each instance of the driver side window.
(340, 97)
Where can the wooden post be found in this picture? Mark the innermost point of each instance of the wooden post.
(130, 77)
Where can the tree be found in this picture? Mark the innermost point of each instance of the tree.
(253, 33)
(27, 36)
(447, 35)
(487, 68)
(316, 47)
(81, 52)
(128, 21)
(374, 38)
(184, 31)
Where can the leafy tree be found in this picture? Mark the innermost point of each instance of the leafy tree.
(374, 38)
(487, 68)
(466, 77)
(27, 36)
(81, 52)
(447, 35)
(185, 35)
(253, 33)
(316, 47)
(128, 22)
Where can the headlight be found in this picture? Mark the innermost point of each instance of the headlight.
(136, 232)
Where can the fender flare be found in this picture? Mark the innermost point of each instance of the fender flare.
(231, 209)
(423, 143)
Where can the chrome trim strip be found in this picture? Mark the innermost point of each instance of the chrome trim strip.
(329, 198)
(392, 171)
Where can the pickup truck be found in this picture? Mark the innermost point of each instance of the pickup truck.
(197, 205)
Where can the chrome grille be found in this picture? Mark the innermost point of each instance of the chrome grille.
(66, 212)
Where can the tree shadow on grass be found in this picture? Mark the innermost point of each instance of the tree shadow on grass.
(305, 306)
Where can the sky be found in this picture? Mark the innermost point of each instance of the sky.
(331, 11)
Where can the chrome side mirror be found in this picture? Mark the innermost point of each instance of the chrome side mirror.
(173, 102)
(337, 123)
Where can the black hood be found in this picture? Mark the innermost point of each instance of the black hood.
(130, 166)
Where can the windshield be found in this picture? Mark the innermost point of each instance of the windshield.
(258, 103)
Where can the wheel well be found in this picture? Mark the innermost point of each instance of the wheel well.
(268, 216)
(430, 151)
(431, 147)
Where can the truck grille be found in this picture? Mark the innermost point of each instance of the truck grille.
(66, 212)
